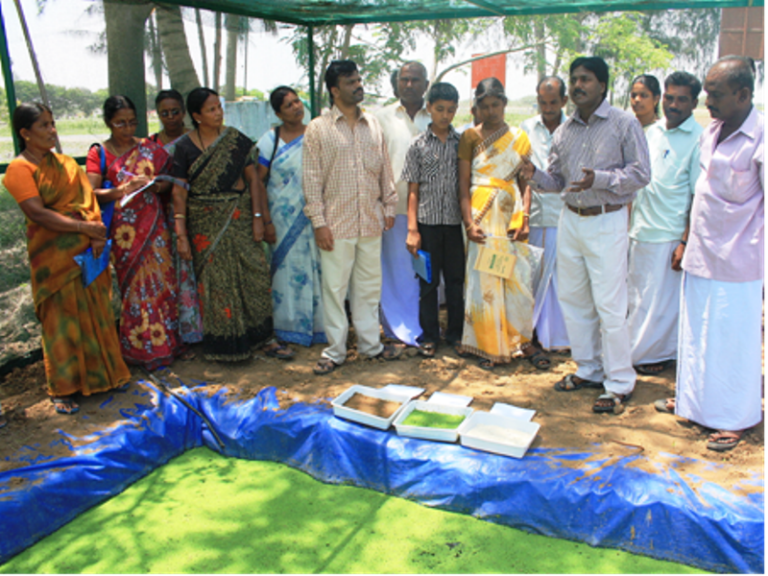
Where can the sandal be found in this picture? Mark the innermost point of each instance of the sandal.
(459, 349)
(611, 402)
(65, 405)
(486, 364)
(388, 352)
(539, 360)
(276, 350)
(723, 440)
(325, 366)
(428, 349)
(569, 384)
(663, 405)
(653, 369)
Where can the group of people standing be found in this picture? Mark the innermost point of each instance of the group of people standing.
(589, 232)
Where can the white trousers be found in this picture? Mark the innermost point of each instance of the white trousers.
(548, 318)
(719, 362)
(354, 264)
(592, 268)
(654, 301)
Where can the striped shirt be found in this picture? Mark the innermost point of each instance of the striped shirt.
(434, 165)
(348, 183)
(611, 143)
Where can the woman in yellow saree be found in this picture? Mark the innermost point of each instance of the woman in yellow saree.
(80, 343)
(498, 315)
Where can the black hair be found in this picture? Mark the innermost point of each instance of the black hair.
(684, 79)
(490, 87)
(335, 69)
(652, 83)
(171, 94)
(549, 79)
(742, 75)
(24, 116)
(594, 64)
(277, 97)
(196, 99)
(393, 76)
(442, 91)
(114, 104)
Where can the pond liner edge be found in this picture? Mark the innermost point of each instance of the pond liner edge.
(553, 492)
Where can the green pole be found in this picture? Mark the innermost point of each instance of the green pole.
(10, 91)
(311, 45)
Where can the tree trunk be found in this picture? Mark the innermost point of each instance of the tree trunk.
(181, 70)
(125, 54)
(347, 40)
(245, 61)
(203, 52)
(217, 55)
(157, 54)
(232, 24)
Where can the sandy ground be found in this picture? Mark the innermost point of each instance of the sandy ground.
(566, 419)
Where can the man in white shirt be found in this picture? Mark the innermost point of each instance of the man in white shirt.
(548, 322)
(400, 123)
(659, 228)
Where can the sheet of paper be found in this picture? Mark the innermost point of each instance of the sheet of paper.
(402, 390)
(503, 409)
(447, 399)
(128, 197)
(495, 262)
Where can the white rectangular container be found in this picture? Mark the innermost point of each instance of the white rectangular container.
(341, 411)
(441, 434)
(498, 434)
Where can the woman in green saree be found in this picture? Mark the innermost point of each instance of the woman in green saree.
(221, 218)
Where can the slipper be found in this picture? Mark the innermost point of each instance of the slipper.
(662, 405)
(486, 364)
(568, 384)
(325, 366)
(65, 406)
(187, 356)
(460, 352)
(279, 351)
(653, 369)
(539, 360)
(723, 440)
(428, 349)
(617, 401)
(388, 352)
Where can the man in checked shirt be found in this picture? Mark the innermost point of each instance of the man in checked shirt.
(351, 198)
(599, 159)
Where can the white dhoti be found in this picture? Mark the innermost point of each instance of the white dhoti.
(592, 267)
(548, 318)
(719, 367)
(653, 293)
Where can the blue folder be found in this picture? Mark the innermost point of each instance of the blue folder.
(89, 264)
(422, 265)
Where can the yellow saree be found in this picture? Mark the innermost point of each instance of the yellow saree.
(80, 343)
(498, 318)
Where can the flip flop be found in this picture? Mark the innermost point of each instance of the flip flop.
(723, 440)
(428, 349)
(645, 369)
(568, 384)
(325, 366)
(388, 352)
(281, 351)
(661, 405)
(539, 360)
(486, 364)
(618, 400)
(65, 406)
(459, 349)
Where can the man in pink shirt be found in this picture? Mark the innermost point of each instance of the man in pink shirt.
(719, 354)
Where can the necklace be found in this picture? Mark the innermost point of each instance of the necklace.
(31, 157)
(199, 137)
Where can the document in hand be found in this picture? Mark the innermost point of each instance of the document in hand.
(422, 265)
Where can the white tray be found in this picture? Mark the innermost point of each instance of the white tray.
(363, 417)
(521, 434)
(441, 434)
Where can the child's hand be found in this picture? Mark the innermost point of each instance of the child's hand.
(476, 234)
(413, 241)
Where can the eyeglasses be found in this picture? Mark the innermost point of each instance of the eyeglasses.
(123, 124)
(170, 113)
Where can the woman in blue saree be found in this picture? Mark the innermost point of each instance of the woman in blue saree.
(296, 291)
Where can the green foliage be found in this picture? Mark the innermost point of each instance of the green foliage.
(64, 101)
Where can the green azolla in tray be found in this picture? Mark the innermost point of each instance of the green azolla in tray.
(433, 419)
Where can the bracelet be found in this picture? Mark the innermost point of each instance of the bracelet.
(683, 242)
(526, 215)
(257, 215)
(180, 216)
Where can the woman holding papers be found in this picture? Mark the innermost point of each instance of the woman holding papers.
(118, 168)
(80, 343)
(498, 319)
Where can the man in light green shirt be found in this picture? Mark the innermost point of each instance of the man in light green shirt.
(659, 227)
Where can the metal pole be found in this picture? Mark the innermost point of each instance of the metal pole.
(313, 106)
(10, 90)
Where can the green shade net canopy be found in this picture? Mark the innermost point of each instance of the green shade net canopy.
(320, 12)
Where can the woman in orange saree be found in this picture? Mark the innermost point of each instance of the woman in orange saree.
(80, 343)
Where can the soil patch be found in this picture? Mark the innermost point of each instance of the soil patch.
(370, 405)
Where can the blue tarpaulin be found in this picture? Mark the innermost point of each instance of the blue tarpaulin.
(609, 502)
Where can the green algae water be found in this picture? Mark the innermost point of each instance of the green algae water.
(203, 513)
(433, 419)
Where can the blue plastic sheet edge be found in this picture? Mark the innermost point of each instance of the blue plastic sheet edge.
(608, 503)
